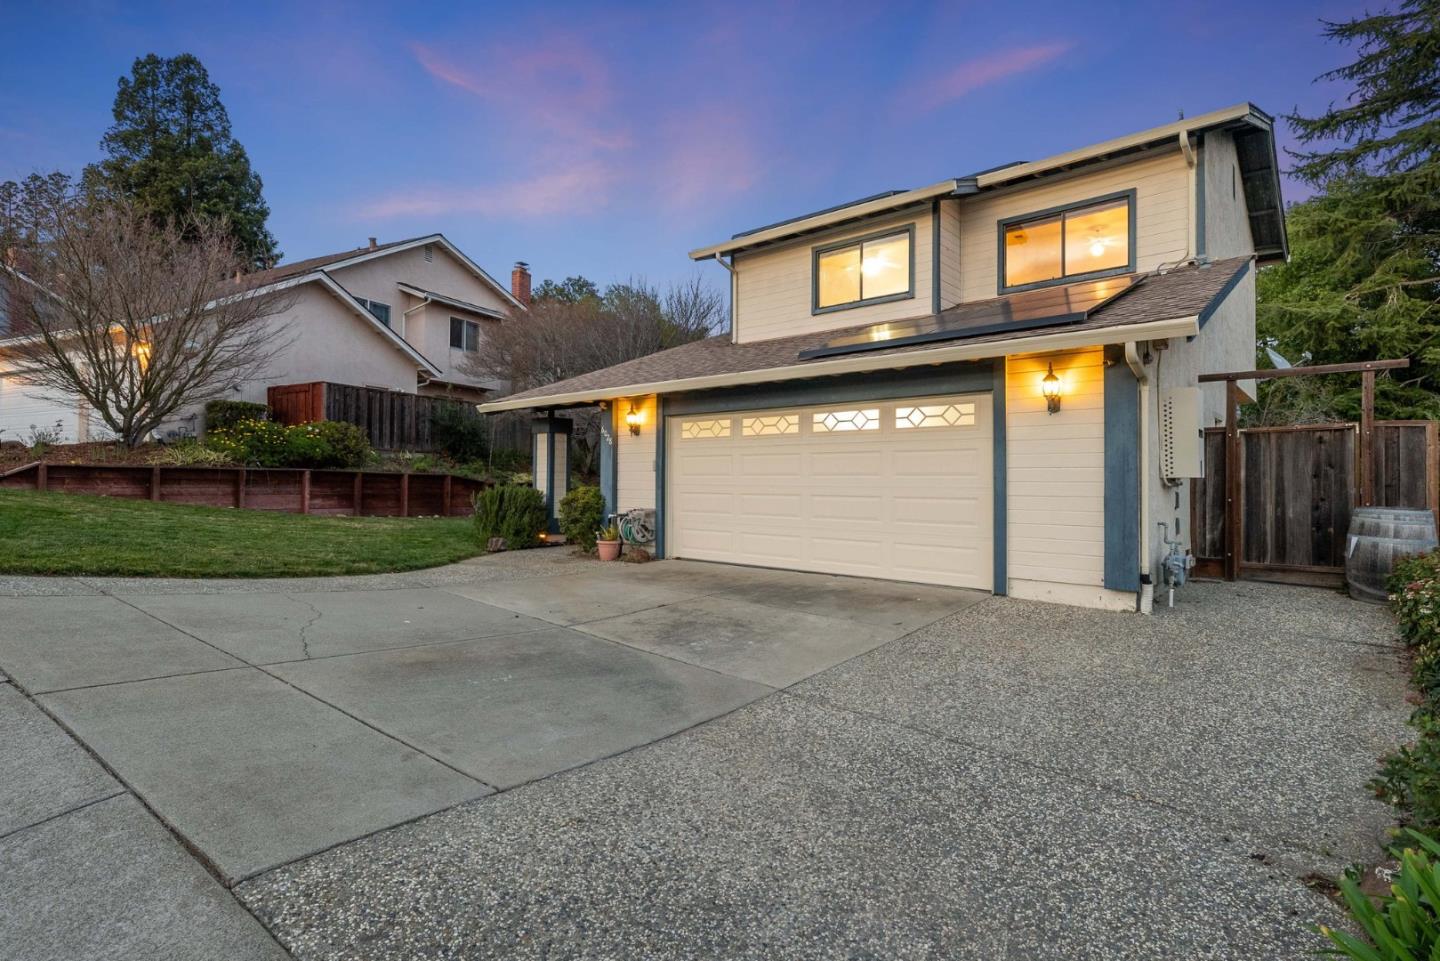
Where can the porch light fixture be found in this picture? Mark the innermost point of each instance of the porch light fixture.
(1050, 387)
(632, 420)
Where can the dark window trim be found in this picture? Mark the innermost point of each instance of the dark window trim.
(1129, 267)
(908, 230)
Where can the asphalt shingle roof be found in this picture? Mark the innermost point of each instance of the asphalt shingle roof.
(1183, 292)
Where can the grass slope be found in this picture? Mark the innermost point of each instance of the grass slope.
(79, 534)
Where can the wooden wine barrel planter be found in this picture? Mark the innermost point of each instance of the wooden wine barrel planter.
(1380, 536)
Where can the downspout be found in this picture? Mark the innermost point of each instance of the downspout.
(734, 284)
(1137, 367)
(405, 318)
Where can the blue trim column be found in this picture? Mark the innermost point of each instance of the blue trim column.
(999, 523)
(660, 434)
(553, 432)
(1122, 473)
(609, 477)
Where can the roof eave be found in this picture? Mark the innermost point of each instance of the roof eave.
(1186, 326)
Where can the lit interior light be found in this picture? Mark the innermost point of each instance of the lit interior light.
(873, 265)
(1097, 249)
(140, 351)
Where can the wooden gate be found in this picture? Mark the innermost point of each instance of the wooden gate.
(1298, 486)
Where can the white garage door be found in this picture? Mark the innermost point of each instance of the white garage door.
(893, 489)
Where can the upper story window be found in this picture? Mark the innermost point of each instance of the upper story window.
(464, 334)
(866, 270)
(381, 311)
(1089, 239)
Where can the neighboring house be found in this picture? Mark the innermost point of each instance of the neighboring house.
(880, 406)
(403, 316)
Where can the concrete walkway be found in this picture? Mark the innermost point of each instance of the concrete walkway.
(678, 760)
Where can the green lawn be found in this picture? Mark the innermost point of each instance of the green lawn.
(78, 534)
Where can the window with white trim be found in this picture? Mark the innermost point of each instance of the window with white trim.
(770, 425)
(935, 415)
(705, 429)
(839, 421)
(464, 334)
(379, 310)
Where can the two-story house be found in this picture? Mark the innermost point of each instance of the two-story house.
(406, 316)
(989, 382)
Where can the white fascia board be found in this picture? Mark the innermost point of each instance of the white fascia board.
(861, 363)
(794, 227)
(1169, 131)
(440, 239)
(431, 297)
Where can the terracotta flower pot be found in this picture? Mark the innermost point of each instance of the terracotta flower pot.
(608, 550)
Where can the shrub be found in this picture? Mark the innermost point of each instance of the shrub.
(581, 512)
(327, 443)
(191, 453)
(510, 461)
(228, 413)
(1405, 924)
(258, 443)
(516, 514)
(264, 443)
(458, 431)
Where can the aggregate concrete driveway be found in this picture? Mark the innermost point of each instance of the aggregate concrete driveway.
(677, 760)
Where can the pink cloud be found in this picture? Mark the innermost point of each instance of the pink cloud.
(576, 190)
(704, 155)
(966, 78)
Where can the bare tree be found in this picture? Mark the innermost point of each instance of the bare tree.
(574, 330)
(132, 319)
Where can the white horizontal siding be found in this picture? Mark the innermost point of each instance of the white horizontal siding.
(635, 455)
(23, 410)
(1054, 467)
(1162, 215)
(773, 289)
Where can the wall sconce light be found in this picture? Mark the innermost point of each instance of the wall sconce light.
(632, 420)
(1050, 387)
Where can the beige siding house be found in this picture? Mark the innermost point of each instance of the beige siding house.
(405, 316)
(989, 382)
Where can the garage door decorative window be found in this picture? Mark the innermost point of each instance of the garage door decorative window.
(770, 425)
(699, 429)
(835, 421)
(936, 415)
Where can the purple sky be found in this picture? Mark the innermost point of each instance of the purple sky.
(608, 142)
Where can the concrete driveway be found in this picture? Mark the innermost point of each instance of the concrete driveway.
(677, 760)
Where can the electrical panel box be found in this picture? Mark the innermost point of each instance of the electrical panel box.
(1182, 434)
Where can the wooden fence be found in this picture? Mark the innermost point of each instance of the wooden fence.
(1298, 487)
(390, 419)
(365, 493)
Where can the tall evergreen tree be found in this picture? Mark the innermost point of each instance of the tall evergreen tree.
(170, 150)
(1364, 278)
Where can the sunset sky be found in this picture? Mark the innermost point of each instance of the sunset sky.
(608, 141)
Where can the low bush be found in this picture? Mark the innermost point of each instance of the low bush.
(458, 432)
(191, 453)
(1403, 925)
(516, 514)
(327, 443)
(582, 511)
(510, 461)
(1409, 778)
(264, 443)
(228, 413)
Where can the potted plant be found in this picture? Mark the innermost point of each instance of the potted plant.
(607, 542)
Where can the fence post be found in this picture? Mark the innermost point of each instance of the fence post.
(155, 483)
(1233, 486)
(405, 494)
(359, 482)
(42, 477)
(240, 488)
(305, 492)
(1367, 439)
(445, 510)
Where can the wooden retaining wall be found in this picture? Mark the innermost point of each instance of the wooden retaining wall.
(363, 493)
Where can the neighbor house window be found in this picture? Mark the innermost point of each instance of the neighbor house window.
(464, 334)
(1053, 246)
(381, 311)
(865, 271)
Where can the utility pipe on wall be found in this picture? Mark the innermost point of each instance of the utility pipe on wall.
(1137, 367)
(734, 284)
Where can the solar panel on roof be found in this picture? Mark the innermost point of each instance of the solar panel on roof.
(1031, 310)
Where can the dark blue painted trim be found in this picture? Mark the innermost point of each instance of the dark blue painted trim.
(1200, 196)
(609, 468)
(908, 230)
(661, 432)
(1219, 298)
(935, 257)
(1122, 473)
(1127, 195)
(999, 532)
(962, 378)
(549, 426)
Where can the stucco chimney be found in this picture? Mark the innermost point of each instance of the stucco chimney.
(373, 244)
(520, 282)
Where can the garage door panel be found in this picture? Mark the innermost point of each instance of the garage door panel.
(907, 502)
